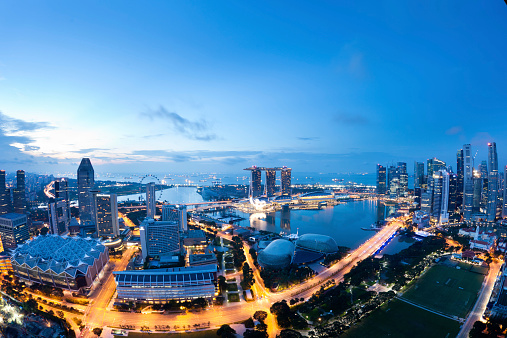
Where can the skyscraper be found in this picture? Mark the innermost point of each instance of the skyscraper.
(504, 209)
(158, 238)
(434, 165)
(459, 178)
(468, 193)
(255, 183)
(175, 213)
(381, 179)
(285, 180)
(403, 177)
(393, 180)
(85, 183)
(151, 205)
(62, 193)
(58, 217)
(270, 186)
(453, 189)
(418, 174)
(106, 219)
(4, 203)
(440, 196)
(20, 193)
(492, 182)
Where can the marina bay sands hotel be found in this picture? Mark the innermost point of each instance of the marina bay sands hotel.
(270, 186)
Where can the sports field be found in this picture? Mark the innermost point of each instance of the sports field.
(199, 334)
(399, 319)
(446, 289)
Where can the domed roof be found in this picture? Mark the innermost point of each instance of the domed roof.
(316, 242)
(278, 254)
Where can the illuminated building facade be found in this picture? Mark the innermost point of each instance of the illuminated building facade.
(459, 178)
(403, 178)
(492, 182)
(4, 202)
(13, 230)
(85, 183)
(285, 179)
(163, 285)
(58, 215)
(20, 193)
(159, 238)
(270, 186)
(61, 261)
(175, 213)
(151, 202)
(106, 216)
(468, 194)
(418, 174)
(381, 179)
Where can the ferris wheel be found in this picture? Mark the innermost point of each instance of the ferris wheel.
(149, 179)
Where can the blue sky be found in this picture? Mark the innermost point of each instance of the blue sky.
(217, 86)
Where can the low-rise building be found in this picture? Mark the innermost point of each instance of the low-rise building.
(162, 285)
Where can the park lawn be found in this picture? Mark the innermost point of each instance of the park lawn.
(198, 334)
(399, 319)
(446, 289)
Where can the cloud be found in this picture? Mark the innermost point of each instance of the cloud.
(88, 150)
(351, 119)
(194, 130)
(454, 130)
(308, 138)
(12, 125)
(30, 148)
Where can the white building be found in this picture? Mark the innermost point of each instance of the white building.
(58, 217)
(422, 219)
(106, 215)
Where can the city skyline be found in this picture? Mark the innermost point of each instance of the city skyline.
(175, 87)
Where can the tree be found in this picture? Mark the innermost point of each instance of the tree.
(249, 323)
(225, 331)
(44, 231)
(260, 316)
(222, 283)
(97, 331)
(199, 303)
(288, 333)
(476, 331)
(255, 334)
(60, 314)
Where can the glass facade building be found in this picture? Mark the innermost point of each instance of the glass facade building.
(85, 183)
(13, 230)
(163, 285)
(381, 179)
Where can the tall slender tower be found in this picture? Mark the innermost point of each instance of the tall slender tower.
(418, 174)
(151, 203)
(381, 179)
(20, 193)
(403, 177)
(468, 182)
(85, 183)
(285, 180)
(492, 182)
(270, 186)
(504, 209)
(459, 178)
(4, 203)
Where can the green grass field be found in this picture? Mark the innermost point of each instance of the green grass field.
(399, 319)
(200, 334)
(446, 289)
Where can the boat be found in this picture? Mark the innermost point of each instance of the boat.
(377, 226)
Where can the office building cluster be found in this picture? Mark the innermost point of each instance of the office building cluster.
(98, 212)
(475, 193)
(270, 190)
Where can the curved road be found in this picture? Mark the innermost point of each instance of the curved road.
(98, 316)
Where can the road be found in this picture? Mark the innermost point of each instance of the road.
(482, 300)
(98, 316)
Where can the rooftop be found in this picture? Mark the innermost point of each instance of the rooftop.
(13, 215)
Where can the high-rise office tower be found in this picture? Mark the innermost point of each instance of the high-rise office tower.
(393, 180)
(58, 215)
(13, 230)
(285, 180)
(440, 196)
(403, 177)
(504, 209)
(453, 190)
(468, 193)
(4, 203)
(434, 165)
(477, 191)
(85, 183)
(106, 220)
(381, 179)
(492, 182)
(270, 186)
(459, 178)
(158, 238)
(20, 193)
(151, 203)
(175, 213)
(62, 193)
(418, 174)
